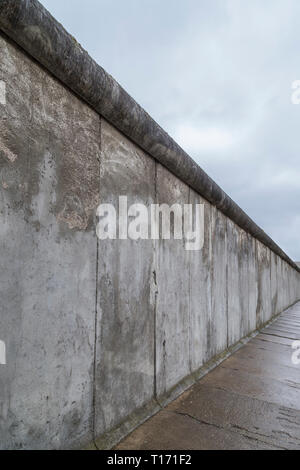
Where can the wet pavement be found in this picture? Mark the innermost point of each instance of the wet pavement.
(250, 401)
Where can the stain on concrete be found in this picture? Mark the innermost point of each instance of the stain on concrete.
(6, 153)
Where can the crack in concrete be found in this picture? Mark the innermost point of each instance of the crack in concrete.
(231, 429)
(286, 408)
(278, 336)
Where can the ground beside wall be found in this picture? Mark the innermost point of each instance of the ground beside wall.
(249, 402)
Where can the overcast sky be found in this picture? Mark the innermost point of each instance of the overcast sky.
(217, 76)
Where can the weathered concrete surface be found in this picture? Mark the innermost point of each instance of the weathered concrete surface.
(99, 332)
(48, 192)
(251, 401)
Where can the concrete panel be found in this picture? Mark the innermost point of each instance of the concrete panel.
(263, 312)
(274, 283)
(295, 284)
(200, 292)
(289, 290)
(233, 282)
(252, 283)
(292, 282)
(285, 285)
(239, 248)
(244, 253)
(173, 282)
(49, 185)
(279, 285)
(217, 325)
(126, 290)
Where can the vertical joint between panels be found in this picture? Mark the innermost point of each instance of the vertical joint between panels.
(96, 298)
(155, 296)
(190, 302)
(227, 280)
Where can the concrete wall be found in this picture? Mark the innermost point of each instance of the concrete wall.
(99, 333)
